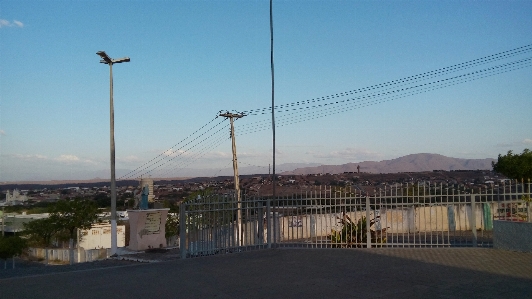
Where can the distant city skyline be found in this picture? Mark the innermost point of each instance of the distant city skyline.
(190, 60)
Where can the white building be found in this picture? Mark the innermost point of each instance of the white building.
(16, 198)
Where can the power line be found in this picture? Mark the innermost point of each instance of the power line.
(374, 98)
(195, 157)
(138, 168)
(163, 159)
(410, 79)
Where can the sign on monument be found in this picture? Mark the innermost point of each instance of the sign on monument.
(153, 223)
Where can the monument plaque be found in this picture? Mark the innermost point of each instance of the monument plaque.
(153, 223)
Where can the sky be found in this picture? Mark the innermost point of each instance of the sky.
(192, 59)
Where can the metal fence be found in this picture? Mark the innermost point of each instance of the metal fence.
(401, 215)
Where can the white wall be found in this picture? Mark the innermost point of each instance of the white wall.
(99, 236)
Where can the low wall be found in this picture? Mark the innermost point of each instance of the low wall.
(443, 218)
(510, 235)
(61, 254)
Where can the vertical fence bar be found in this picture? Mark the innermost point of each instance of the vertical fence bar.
(183, 230)
(473, 220)
(368, 230)
(528, 203)
(268, 224)
(274, 225)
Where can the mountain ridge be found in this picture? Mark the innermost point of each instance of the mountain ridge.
(409, 163)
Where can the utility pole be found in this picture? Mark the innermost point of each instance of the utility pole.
(231, 117)
(3, 220)
(268, 203)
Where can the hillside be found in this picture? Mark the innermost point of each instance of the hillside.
(409, 163)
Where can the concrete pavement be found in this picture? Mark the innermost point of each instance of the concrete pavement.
(296, 273)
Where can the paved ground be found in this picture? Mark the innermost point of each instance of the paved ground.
(289, 273)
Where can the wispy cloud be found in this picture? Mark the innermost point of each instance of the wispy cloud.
(131, 158)
(525, 141)
(29, 157)
(217, 155)
(173, 153)
(67, 158)
(63, 159)
(15, 23)
(2, 133)
(72, 159)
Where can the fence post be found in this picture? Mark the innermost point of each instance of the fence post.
(473, 220)
(260, 225)
(368, 230)
(183, 230)
(46, 255)
(528, 203)
(268, 224)
(529, 212)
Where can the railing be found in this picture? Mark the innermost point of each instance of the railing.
(410, 215)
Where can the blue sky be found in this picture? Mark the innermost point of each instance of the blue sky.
(191, 59)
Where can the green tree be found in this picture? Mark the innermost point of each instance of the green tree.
(11, 247)
(518, 167)
(71, 215)
(515, 166)
(41, 231)
(102, 200)
(171, 226)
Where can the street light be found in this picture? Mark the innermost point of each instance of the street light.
(108, 60)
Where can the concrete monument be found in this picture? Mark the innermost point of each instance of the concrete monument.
(146, 226)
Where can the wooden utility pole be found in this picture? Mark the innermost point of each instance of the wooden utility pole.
(231, 117)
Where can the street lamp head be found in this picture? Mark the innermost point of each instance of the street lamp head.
(108, 60)
(120, 60)
(105, 57)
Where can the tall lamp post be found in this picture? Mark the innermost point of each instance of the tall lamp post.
(108, 60)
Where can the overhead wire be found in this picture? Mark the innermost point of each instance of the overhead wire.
(161, 154)
(373, 98)
(166, 159)
(220, 170)
(194, 157)
(394, 88)
(414, 78)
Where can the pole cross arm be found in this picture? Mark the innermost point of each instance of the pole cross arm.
(232, 115)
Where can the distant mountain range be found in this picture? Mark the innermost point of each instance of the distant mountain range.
(410, 163)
